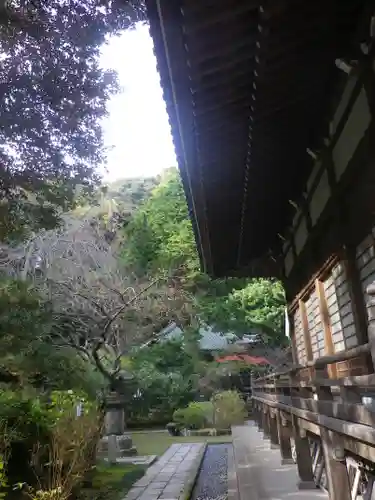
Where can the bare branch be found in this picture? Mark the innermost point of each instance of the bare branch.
(98, 309)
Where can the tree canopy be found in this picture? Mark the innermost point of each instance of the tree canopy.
(54, 96)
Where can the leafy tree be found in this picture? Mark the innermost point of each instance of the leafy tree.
(27, 355)
(160, 236)
(165, 379)
(53, 100)
(260, 303)
(159, 394)
(166, 357)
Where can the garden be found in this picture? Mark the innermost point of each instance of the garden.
(91, 273)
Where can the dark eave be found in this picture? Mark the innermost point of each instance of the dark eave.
(248, 87)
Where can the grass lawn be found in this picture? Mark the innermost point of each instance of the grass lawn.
(111, 482)
(156, 443)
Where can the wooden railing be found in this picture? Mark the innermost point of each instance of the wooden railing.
(305, 405)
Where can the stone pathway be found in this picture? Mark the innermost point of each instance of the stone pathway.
(171, 476)
(260, 475)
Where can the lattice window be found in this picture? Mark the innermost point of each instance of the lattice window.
(299, 338)
(365, 259)
(345, 306)
(340, 309)
(315, 325)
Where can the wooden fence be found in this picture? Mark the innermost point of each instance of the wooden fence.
(328, 422)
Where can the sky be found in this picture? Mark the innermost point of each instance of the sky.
(137, 129)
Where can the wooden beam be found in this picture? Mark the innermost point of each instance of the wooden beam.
(364, 433)
(336, 471)
(324, 317)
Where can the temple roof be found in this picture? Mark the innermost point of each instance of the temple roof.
(249, 87)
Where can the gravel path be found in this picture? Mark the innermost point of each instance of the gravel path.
(212, 483)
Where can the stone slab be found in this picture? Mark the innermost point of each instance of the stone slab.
(136, 460)
(173, 476)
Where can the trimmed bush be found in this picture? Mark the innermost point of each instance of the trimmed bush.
(192, 417)
(229, 409)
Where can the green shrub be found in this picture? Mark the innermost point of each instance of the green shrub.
(229, 409)
(206, 407)
(192, 417)
(3, 479)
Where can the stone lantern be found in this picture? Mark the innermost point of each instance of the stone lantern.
(115, 442)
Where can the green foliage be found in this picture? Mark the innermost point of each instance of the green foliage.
(157, 394)
(164, 379)
(259, 303)
(23, 316)
(3, 478)
(110, 482)
(191, 417)
(166, 357)
(197, 415)
(61, 368)
(54, 111)
(22, 415)
(27, 352)
(160, 237)
(65, 402)
(229, 409)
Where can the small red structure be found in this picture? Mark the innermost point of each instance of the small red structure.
(251, 360)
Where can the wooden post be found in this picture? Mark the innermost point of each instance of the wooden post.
(273, 431)
(257, 415)
(333, 451)
(284, 440)
(304, 461)
(302, 445)
(324, 316)
(266, 423)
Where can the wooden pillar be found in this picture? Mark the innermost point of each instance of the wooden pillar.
(284, 440)
(255, 412)
(266, 423)
(333, 452)
(304, 460)
(302, 446)
(273, 431)
(257, 415)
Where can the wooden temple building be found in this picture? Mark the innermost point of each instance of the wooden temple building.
(271, 105)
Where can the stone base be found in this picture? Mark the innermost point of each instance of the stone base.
(306, 485)
(124, 447)
(274, 446)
